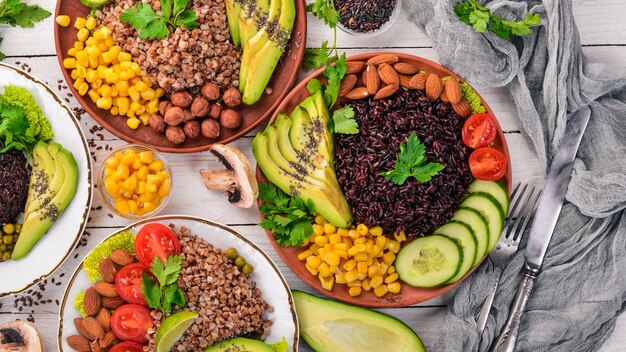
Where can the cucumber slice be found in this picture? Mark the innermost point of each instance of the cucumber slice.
(94, 3)
(489, 207)
(465, 236)
(429, 261)
(479, 226)
(496, 189)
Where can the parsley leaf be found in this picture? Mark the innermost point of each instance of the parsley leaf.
(334, 74)
(412, 162)
(15, 131)
(151, 25)
(166, 273)
(164, 292)
(16, 13)
(289, 218)
(478, 16)
(172, 295)
(151, 291)
(317, 57)
(343, 121)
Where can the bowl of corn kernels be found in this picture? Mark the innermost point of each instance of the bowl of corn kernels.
(134, 181)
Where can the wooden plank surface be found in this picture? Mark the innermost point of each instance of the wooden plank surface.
(603, 33)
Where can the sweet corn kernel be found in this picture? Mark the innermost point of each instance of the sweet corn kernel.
(391, 278)
(305, 254)
(361, 267)
(133, 123)
(394, 287)
(63, 20)
(313, 261)
(340, 279)
(389, 258)
(354, 291)
(318, 229)
(362, 229)
(355, 283)
(351, 275)
(326, 281)
(380, 290)
(80, 23)
(333, 238)
(365, 284)
(324, 269)
(394, 246)
(376, 281)
(69, 63)
(332, 258)
(83, 34)
(90, 23)
(83, 88)
(329, 228)
(312, 270)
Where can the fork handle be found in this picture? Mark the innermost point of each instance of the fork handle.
(484, 312)
(508, 338)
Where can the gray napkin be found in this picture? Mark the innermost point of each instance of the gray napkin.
(582, 288)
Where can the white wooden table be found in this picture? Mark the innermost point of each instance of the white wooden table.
(603, 35)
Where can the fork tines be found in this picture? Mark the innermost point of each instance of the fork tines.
(523, 203)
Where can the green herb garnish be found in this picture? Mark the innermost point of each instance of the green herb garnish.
(343, 121)
(478, 16)
(16, 13)
(412, 162)
(289, 218)
(318, 57)
(163, 293)
(153, 26)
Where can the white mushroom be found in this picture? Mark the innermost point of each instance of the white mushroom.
(20, 336)
(237, 180)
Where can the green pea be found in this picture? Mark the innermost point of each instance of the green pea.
(8, 229)
(18, 228)
(247, 269)
(6, 256)
(7, 239)
(3, 247)
(231, 253)
(239, 261)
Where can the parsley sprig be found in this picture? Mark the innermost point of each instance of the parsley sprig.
(154, 26)
(412, 162)
(16, 13)
(478, 16)
(289, 218)
(163, 293)
(318, 57)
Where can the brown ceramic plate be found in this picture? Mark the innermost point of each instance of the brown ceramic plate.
(409, 295)
(281, 82)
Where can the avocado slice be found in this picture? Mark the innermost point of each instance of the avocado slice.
(233, 9)
(42, 173)
(294, 169)
(240, 344)
(264, 61)
(330, 326)
(54, 196)
(252, 13)
(324, 115)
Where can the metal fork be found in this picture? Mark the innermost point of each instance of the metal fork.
(523, 203)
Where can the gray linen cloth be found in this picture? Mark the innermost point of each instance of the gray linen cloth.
(582, 288)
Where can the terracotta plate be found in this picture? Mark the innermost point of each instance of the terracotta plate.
(281, 82)
(409, 295)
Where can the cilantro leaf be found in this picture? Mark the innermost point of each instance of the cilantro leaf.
(16, 13)
(151, 291)
(188, 19)
(343, 121)
(316, 57)
(482, 19)
(166, 273)
(412, 162)
(334, 74)
(172, 295)
(166, 8)
(151, 25)
(325, 12)
(162, 292)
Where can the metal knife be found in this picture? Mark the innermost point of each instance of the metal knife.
(546, 216)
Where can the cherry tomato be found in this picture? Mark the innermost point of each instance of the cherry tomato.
(479, 131)
(487, 164)
(127, 347)
(128, 283)
(131, 322)
(155, 240)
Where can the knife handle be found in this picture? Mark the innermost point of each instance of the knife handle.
(508, 338)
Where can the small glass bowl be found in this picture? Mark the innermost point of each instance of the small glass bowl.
(109, 201)
(392, 19)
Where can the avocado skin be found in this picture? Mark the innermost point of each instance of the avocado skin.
(316, 314)
(45, 207)
(240, 344)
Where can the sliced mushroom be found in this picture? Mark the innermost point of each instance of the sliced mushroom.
(237, 180)
(20, 336)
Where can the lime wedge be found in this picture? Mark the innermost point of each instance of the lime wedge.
(172, 328)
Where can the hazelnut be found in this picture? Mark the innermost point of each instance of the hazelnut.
(157, 123)
(216, 111)
(163, 106)
(200, 107)
(182, 99)
(175, 134)
(192, 129)
(232, 97)
(210, 91)
(210, 128)
(174, 116)
(230, 119)
(188, 116)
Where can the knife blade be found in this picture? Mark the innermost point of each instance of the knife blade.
(546, 216)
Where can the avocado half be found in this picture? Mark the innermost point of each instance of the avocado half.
(240, 344)
(330, 326)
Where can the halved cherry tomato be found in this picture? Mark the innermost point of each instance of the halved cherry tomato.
(479, 130)
(155, 240)
(131, 322)
(128, 283)
(487, 164)
(127, 347)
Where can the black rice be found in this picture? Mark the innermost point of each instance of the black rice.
(364, 15)
(417, 208)
(14, 179)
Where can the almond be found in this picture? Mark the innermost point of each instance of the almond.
(386, 91)
(108, 340)
(92, 326)
(121, 257)
(462, 108)
(108, 270)
(444, 97)
(92, 302)
(104, 319)
(388, 75)
(419, 81)
(78, 343)
(383, 58)
(95, 347)
(453, 90)
(371, 79)
(105, 289)
(78, 323)
(358, 93)
(347, 83)
(407, 68)
(112, 302)
(353, 67)
(434, 86)
(405, 81)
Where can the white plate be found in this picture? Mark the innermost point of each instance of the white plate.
(52, 249)
(273, 286)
